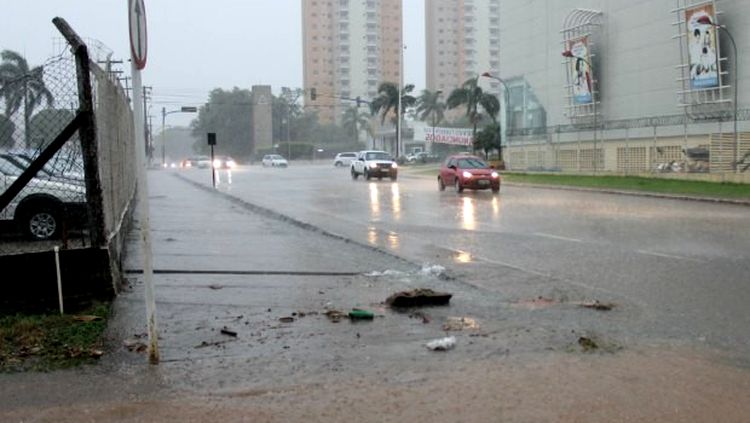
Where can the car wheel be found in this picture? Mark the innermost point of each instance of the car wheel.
(394, 177)
(42, 223)
(355, 175)
(441, 185)
(495, 190)
(458, 187)
(367, 175)
(338, 164)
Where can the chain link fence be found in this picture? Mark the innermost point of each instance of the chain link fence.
(45, 171)
(39, 103)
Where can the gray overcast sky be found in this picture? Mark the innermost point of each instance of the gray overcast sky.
(194, 46)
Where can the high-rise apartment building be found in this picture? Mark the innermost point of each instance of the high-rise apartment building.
(349, 47)
(463, 41)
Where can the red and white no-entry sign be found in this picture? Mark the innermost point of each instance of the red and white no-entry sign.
(138, 39)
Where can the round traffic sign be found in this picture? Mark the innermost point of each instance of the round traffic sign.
(138, 39)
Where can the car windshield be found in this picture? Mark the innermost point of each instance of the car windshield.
(472, 163)
(378, 156)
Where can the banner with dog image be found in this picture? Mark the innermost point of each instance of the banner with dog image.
(580, 64)
(702, 47)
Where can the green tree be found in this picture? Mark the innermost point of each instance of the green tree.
(354, 121)
(22, 86)
(488, 139)
(7, 128)
(286, 109)
(386, 102)
(47, 124)
(471, 95)
(228, 114)
(430, 107)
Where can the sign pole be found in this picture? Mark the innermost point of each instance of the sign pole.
(137, 19)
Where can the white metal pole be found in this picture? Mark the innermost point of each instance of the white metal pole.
(143, 214)
(59, 279)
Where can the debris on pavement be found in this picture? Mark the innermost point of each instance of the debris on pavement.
(460, 323)
(135, 345)
(596, 305)
(216, 287)
(287, 319)
(442, 344)
(359, 314)
(434, 270)
(226, 331)
(335, 316)
(587, 343)
(418, 298)
(419, 315)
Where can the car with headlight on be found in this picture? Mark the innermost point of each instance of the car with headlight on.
(468, 172)
(201, 162)
(274, 160)
(224, 162)
(374, 164)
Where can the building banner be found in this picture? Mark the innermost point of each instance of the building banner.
(453, 136)
(581, 72)
(702, 47)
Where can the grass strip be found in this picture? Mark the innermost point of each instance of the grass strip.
(44, 342)
(636, 183)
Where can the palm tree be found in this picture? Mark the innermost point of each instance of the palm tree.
(430, 106)
(471, 95)
(354, 121)
(386, 102)
(22, 86)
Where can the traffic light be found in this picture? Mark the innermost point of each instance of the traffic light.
(313, 94)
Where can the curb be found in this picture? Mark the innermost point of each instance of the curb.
(745, 203)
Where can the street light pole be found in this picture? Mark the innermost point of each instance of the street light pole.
(705, 20)
(164, 113)
(569, 54)
(506, 91)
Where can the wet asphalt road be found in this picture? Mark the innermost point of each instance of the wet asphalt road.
(677, 270)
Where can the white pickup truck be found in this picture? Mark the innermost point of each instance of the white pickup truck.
(373, 163)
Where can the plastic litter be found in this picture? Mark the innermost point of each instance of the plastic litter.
(358, 314)
(443, 344)
(460, 323)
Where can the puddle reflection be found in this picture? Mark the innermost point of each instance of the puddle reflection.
(394, 240)
(462, 257)
(468, 218)
(374, 201)
(396, 200)
(372, 236)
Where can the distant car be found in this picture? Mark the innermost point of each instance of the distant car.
(43, 204)
(201, 162)
(421, 157)
(468, 172)
(224, 162)
(274, 160)
(344, 159)
(374, 163)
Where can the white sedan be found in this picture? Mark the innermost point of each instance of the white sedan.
(274, 160)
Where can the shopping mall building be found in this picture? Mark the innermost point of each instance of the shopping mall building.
(625, 86)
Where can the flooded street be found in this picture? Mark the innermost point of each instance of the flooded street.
(566, 306)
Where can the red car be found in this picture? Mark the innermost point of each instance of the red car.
(470, 172)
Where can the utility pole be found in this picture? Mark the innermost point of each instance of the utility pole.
(149, 147)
